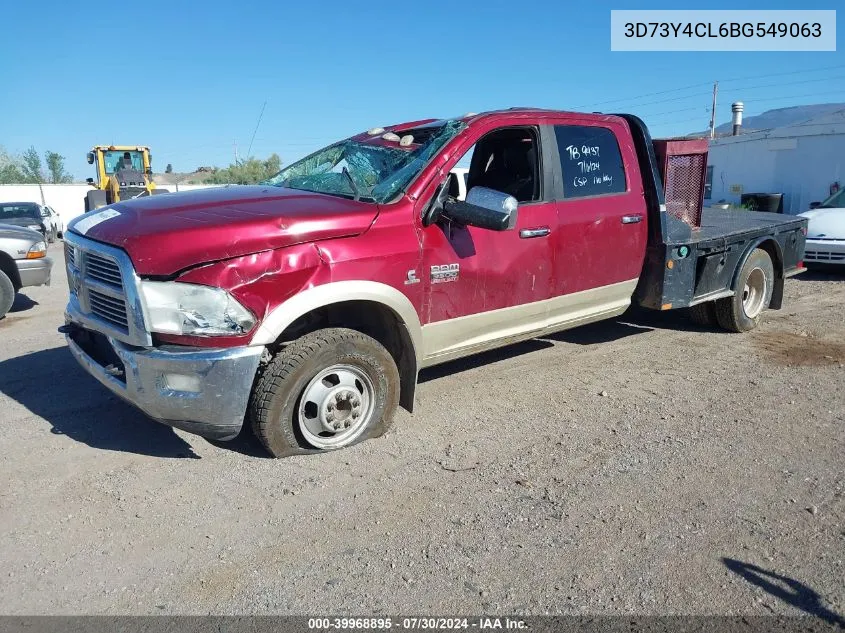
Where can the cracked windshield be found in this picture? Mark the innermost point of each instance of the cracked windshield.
(374, 169)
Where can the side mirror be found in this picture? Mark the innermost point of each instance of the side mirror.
(815, 205)
(90, 158)
(484, 208)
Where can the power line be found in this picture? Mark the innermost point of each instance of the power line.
(676, 121)
(781, 85)
(689, 87)
(783, 97)
(702, 109)
(650, 94)
(699, 95)
(791, 72)
(749, 98)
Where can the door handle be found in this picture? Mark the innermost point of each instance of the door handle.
(538, 232)
(631, 219)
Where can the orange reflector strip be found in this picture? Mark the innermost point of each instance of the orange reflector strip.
(666, 306)
(36, 255)
(670, 264)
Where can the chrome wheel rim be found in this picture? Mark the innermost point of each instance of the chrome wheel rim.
(336, 406)
(754, 293)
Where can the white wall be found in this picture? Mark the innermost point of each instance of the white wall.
(67, 200)
(800, 161)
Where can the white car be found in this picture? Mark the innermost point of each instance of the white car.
(826, 232)
(54, 227)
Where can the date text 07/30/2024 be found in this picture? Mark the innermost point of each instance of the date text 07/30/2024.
(415, 623)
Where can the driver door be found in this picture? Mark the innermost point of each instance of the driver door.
(485, 287)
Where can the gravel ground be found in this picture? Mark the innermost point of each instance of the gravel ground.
(639, 466)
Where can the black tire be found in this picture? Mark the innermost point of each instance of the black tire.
(703, 314)
(275, 400)
(7, 294)
(730, 311)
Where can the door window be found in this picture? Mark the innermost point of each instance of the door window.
(590, 161)
(508, 161)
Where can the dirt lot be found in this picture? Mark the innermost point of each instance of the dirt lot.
(639, 466)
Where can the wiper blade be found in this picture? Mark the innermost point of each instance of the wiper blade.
(355, 191)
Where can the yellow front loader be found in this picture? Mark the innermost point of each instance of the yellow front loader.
(123, 172)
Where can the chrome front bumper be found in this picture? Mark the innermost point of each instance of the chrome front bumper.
(202, 391)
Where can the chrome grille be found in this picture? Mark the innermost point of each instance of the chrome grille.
(104, 290)
(103, 269)
(70, 257)
(108, 308)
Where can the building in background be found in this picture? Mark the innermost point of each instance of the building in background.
(804, 161)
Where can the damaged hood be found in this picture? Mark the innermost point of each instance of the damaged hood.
(167, 233)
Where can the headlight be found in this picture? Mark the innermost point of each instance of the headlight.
(180, 308)
(37, 251)
(35, 227)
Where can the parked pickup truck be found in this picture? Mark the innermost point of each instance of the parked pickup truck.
(23, 262)
(307, 305)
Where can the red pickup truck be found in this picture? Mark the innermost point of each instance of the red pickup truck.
(308, 304)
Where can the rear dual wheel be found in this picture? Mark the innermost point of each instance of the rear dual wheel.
(703, 314)
(752, 294)
(327, 390)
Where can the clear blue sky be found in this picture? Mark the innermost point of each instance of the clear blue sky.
(190, 78)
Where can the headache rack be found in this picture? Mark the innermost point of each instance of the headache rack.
(683, 168)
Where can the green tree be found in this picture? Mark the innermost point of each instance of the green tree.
(31, 166)
(10, 171)
(56, 167)
(168, 169)
(247, 172)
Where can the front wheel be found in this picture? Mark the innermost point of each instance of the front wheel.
(752, 294)
(7, 294)
(327, 390)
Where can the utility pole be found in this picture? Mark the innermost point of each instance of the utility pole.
(713, 111)
(235, 146)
